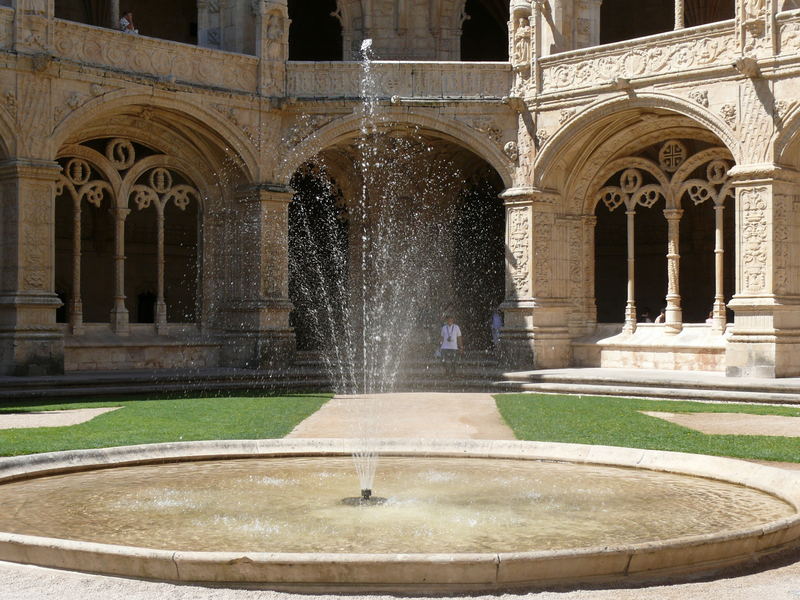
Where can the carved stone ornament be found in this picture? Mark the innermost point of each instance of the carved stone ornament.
(511, 151)
(728, 114)
(521, 56)
(754, 238)
(700, 96)
(672, 155)
(566, 115)
(519, 248)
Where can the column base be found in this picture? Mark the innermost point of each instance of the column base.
(536, 335)
(766, 338)
(31, 343)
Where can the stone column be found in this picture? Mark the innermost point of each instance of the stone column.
(536, 327)
(674, 315)
(765, 341)
(76, 303)
(630, 300)
(33, 25)
(260, 320)
(31, 342)
(756, 27)
(120, 320)
(113, 14)
(161, 305)
(680, 21)
(719, 316)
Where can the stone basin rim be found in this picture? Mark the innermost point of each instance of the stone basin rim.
(419, 573)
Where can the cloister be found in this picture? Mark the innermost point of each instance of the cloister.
(606, 160)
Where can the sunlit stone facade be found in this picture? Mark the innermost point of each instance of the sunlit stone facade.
(144, 179)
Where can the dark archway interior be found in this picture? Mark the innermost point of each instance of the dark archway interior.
(314, 34)
(175, 20)
(611, 267)
(697, 234)
(629, 19)
(484, 35)
(354, 261)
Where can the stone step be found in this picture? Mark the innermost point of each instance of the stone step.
(659, 390)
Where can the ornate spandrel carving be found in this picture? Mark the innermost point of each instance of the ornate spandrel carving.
(34, 122)
(755, 239)
(519, 259)
(757, 121)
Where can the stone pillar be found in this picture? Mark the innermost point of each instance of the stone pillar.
(33, 26)
(680, 21)
(756, 27)
(261, 318)
(630, 296)
(765, 341)
(120, 320)
(719, 312)
(674, 315)
(31, 343)
(272, 46)
(536, 327)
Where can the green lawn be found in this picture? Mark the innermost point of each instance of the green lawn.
(144, 421)
(618, 422)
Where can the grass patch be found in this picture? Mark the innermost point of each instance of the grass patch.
(618, 422)
(147, 421)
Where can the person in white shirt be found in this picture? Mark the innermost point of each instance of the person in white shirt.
(450, 344)
(126, 23)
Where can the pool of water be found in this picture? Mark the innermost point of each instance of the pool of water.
(432, 505)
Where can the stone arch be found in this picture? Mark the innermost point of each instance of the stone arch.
(606, 111)
(350, 127)
(225, 137)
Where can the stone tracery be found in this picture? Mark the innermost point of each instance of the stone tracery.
(119, 182)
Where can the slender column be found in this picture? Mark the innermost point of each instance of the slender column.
(161, 305)
(674, 315)
(120, 321)
(630, 303)
(719, 316)
(113, 13)
(680, 21)
(76, 304)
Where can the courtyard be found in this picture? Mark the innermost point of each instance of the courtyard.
(611, 421)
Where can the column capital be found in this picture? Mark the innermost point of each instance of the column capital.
(47, 170)
(530, 196)
(762, 173)
(266, 192)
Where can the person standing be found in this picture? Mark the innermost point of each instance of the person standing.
(496, 324)
(450, 344)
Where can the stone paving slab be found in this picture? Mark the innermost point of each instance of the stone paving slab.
(409, 415)
(51, 418)
(733, 423)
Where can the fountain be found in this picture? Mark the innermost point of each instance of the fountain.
(458, 515)
(451, 516)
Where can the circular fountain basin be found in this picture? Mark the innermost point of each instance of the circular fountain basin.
(458, 515)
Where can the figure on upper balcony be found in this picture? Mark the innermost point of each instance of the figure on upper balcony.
(126, 23)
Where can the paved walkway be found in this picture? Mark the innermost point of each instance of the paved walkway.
(428, 415)
(410, 415)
